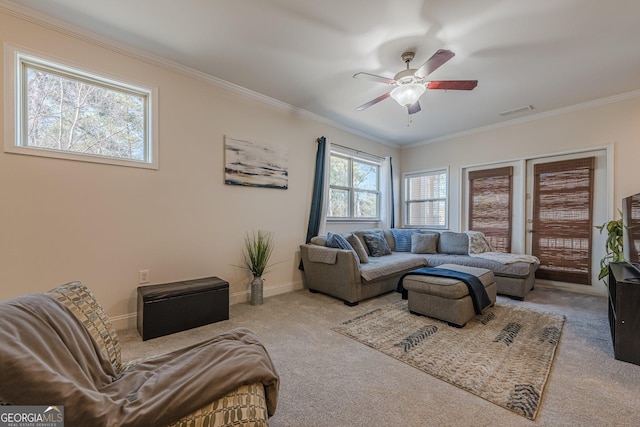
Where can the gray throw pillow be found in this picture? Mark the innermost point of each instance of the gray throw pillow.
(319, 240)
(338, 241)
(424, 243)
(453, 243)
(377, 244)
(356, 244)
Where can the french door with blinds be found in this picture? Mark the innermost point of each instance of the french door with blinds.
(562, 222)
(490, 201)
(546, 207)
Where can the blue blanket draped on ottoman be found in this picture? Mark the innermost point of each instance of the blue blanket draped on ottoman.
(477, 292)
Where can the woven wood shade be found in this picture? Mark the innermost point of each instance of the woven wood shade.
(490, 194)
(562, 223)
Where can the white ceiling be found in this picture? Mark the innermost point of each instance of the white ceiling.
(550, 54)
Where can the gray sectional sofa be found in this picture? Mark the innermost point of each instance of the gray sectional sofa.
(366, 267)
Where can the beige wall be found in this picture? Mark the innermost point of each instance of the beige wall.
(616, 123)
(64, 220)
(600, 125)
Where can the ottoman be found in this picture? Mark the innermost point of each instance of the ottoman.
(173, 307)
(445, 298)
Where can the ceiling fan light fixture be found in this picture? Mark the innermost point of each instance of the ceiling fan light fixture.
(408, 94)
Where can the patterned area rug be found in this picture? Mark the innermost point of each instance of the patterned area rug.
(503, 355)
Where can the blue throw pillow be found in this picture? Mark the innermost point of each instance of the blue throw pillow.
(402, 238)
(337, 241)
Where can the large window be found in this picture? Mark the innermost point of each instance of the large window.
(425, 199)
(67, 113)
(354, 192)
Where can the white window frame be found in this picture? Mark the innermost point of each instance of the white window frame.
(406, 202)
(14, 121)
(352, 190)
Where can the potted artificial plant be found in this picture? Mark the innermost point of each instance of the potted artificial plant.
(613, 245)
(258, 247)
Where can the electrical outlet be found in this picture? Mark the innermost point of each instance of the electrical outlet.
(143, 276)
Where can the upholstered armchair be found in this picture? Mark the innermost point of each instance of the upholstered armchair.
(245, 406)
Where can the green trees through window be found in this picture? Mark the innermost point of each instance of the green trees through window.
(67, 113)
(354, 188)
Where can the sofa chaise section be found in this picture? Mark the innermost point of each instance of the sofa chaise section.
(515, 279)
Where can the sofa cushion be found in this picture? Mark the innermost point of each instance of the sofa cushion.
(377, 244)
(516, 269)
(402, 238)
(424, 243)
(397, 262)
(453, 243)
(357, 246)
(339, 242)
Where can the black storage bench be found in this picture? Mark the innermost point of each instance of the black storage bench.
(174, 307)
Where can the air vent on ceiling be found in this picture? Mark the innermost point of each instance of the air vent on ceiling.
(517, 110)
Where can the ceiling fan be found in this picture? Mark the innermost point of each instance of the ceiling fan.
(410, 84)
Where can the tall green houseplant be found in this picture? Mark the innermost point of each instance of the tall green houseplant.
(258, 247)
(613, 245)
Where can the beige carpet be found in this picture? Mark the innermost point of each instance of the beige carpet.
(330, 380)
(503, 355)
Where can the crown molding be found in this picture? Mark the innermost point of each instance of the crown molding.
(74, 31)
(543, 115)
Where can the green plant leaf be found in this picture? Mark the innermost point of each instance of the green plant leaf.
(258, 247)
(613, 244)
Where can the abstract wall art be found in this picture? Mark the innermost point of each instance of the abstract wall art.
(252, 165)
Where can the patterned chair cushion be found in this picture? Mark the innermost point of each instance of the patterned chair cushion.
(245, 406)
(83, 304)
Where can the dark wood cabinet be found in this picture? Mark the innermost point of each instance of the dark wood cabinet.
(624, 311)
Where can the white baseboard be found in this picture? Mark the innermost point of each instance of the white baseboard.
(283, 288)
(125, 321)
(129, 321)
(594, 290)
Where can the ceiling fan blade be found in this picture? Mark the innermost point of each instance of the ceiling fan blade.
(414, 108)
(452, 84)
(433, 63)
(379, 79)
(373, 101)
